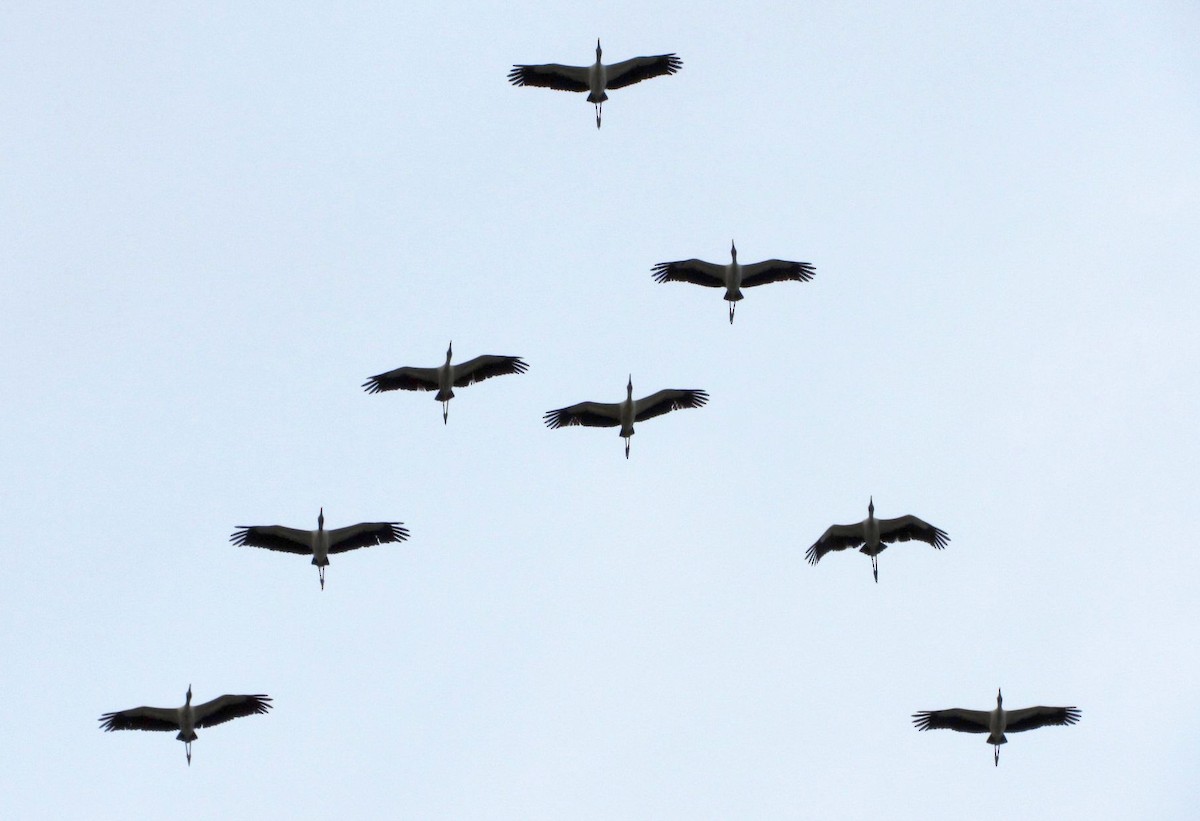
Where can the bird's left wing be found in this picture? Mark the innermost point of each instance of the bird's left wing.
(485, 367)
(227, 708)
(403, 379)
(665, 401)
(776, 270)
(1030, 718)
(588, 414)
(274, 537)
(835, 537)
(140, 718)
(956, 718)
(628, 72)
(906, 528)
(695, 271)
(366, 534)
(550, 75)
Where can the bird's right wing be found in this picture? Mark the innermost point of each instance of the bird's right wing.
(907, 528)
(274, 537)
(403, 379)
(485, 367)
(776, 270)
(366, 534)
(665, 401)
(837, 537)
(227, 708)
(956, 718)
(695, 271)
(636, 69)
(588, 414)
(550, 75)
(1030, 718)
(140, 718)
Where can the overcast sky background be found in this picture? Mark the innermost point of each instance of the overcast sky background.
(217, 221)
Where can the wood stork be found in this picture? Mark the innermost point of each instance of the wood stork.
(733, 276)
(996, 722)
(319, 543)
(187, 718)
(446, 377)
(872, 536)
(596, 78)
(611, 414)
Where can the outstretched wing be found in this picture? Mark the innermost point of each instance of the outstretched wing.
(366, 534)
(695, 271)
(550, 75)
(588, 414)
(628, 72)
(274, 537)
(665, 401)
(140, 718)
(836, 537)
(227, 708)
(485, 367)
(956, 718)
(776, 270)
(1030, 718)
(403, 379)
(908, 528)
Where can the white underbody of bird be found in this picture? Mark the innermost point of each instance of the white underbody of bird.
(319, 543)
(625, 414)
(996, 723)
(187, 718)
(872, 536)
(597, 78)
(733, 276)
(446, 377)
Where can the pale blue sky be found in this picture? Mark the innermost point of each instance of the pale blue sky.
(216, 222)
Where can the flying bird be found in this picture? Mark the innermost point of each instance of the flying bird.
(187, 718)
(596, 78)
(733, 276)
(446, 377)
(611, 414)
(319, 543)
(872, 536)
(996, 722)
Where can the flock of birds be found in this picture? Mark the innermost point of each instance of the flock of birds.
(870, 536)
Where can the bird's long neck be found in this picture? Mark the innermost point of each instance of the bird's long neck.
(321, 520)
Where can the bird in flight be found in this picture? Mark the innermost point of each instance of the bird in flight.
(319, 543)
(996, 722)
(872, 536)
(733, 276)
(597, 78)
(612, 414)
(187, 718)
